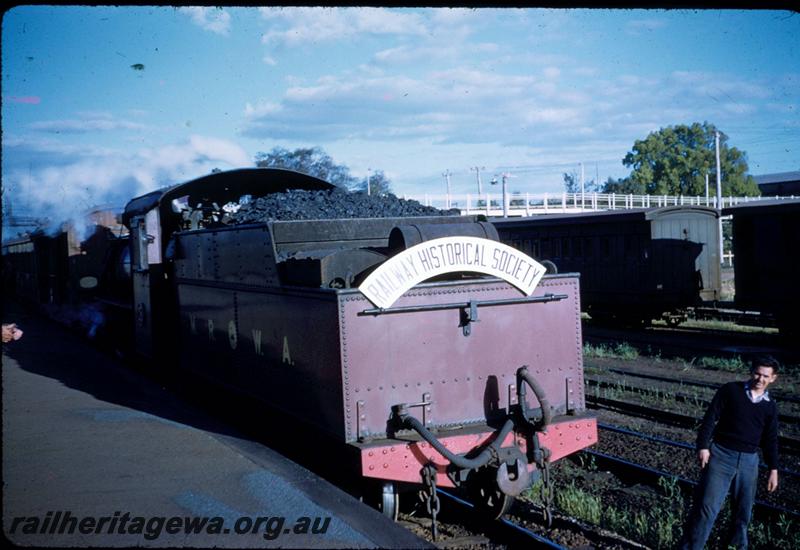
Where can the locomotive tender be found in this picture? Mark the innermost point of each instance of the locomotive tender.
(462, 380)
(635, 265)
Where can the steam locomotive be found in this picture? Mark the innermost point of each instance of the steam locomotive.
(433, 354)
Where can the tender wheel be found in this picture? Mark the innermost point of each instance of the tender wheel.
(390, 501)
(487, 497)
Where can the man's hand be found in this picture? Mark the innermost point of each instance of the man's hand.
(704, 454)
(772, 482)
(11, 332)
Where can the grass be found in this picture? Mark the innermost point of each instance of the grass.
(659, 524)
(727, 364)
(622, 350)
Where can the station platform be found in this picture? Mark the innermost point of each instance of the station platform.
(97, 454)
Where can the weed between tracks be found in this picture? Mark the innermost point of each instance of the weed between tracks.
(650, 516)
(655, 516)
(687, 399)
(617, 351)
(590, 496)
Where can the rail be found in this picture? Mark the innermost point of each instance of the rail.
(786, 444)
(527, 204)
(640, 473)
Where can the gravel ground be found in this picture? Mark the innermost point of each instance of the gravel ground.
(683, 462)
(661, 514)
(675, 460)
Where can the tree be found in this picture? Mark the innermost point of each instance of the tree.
(675, 160)
(379, 184)
(572, 184)
(623, 186)
(312, 161)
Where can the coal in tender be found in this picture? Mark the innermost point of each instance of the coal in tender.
(298, 204)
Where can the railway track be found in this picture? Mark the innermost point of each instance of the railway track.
(783, 397)
(690, 342)
(524, 526)
(679, 459)
(677, 444)
(676, 396)
(517, 530)
(638, 473)
(786, 444)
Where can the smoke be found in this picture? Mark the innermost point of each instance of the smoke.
(44, 180)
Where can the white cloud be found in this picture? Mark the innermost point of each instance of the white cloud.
(75, 178)
(87, 122)
(452, 51)
(303, 25)
(551, 108)
(219, 150)
(216, 20)
(260, 109)
(552, 73)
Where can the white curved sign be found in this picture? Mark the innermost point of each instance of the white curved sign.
(450, 255)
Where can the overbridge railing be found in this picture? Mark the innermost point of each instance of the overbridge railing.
(526, 204)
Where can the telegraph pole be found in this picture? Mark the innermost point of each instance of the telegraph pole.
(596, 176)
(478, 173)
(369, 175)
(582, 188)
(505, 176)
(447, 175)
(719, 196)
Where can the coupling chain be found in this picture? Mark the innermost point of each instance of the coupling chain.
(432, 503)
(548, 492)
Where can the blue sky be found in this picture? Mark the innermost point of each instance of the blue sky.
(104, 103)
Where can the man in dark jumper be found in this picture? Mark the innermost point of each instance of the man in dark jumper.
(741, 418)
